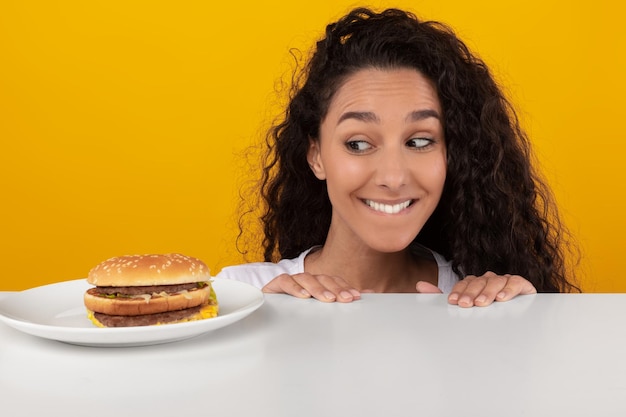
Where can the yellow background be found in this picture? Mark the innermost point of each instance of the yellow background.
(122, 123)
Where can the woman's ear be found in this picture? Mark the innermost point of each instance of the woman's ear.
(315, 159)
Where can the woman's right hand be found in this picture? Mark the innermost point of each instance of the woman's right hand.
(321, 287)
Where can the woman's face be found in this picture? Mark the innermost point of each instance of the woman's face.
(382, 153)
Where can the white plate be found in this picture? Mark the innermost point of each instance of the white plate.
(57, 312)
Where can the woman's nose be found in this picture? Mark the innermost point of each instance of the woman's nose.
(391, 169)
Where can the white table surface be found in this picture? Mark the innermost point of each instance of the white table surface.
(385, 355)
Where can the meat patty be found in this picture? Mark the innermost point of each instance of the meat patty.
(171, 289)
(146, 319)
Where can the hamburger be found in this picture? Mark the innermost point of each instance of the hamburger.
(145, 290)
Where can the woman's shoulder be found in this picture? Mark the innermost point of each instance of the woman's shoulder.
(260, 273)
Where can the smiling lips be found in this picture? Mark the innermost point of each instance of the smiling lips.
(388, 208)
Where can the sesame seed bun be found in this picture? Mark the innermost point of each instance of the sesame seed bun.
(151, 269)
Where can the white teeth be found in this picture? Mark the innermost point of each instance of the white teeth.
(388, 208)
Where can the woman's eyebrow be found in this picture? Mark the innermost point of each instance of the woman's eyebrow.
(418, 115)
(363, 116)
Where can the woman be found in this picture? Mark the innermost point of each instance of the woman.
(401, 167)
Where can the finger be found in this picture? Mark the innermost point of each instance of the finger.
(285, 284)
(327, 288)
(424, 287)
(494, 284)
(340, 287)
(458, 289)
(475, 286)
(515, 285)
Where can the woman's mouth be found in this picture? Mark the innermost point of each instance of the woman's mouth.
(388, 208)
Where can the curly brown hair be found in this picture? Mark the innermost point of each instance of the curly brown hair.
(496, 214)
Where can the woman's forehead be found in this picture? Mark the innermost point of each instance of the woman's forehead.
(371, 88)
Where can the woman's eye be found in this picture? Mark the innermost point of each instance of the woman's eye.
(358, 145)
(419, 142)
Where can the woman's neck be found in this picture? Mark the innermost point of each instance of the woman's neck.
(366, 269)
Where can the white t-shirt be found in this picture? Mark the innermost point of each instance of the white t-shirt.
(260, 273)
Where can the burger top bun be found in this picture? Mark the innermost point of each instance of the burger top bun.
(140, 270)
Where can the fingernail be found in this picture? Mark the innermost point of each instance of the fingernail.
(501, 295)
(481, 299)
(345, 294)
(465, 301)
(329, 295)
(453, 297)
(305, 292)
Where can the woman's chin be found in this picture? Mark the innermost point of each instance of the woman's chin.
(393, 246)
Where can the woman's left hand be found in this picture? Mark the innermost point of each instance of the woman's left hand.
(483, 290)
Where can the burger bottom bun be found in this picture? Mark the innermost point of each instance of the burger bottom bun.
(190, 314)
(124, 306)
